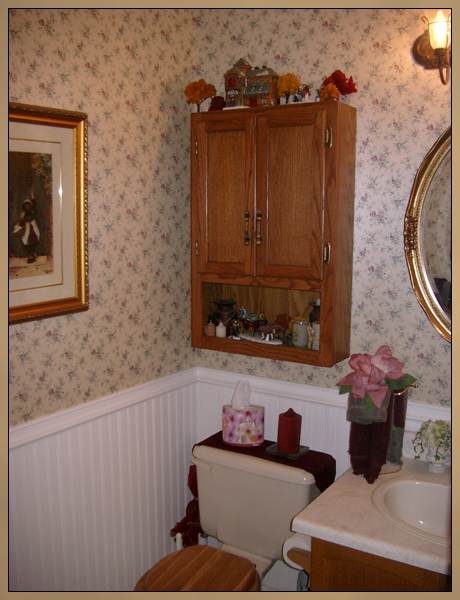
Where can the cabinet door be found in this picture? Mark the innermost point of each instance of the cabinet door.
(336, 568)
(290, 193)
(223, 192)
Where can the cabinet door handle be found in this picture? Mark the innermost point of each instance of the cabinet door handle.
(327, 253)
(329, 136)
(247, 239)
(258, 227)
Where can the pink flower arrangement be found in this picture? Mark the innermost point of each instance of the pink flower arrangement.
(373, 375)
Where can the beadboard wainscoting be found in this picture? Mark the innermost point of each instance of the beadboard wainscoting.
(94, 490)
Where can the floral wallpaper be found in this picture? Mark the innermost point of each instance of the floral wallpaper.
(127, 68)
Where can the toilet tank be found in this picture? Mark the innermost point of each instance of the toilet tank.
(248, 502)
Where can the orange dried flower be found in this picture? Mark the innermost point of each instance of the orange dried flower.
(288, 84)
(198, 91)
(209, 91)
(329, 92)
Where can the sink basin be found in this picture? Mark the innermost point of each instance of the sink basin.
(417, 505)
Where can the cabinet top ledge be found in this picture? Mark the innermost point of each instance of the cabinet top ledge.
(332, 106)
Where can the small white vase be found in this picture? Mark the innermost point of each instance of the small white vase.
(436, 466)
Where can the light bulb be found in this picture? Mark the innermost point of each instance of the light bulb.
(439, 32)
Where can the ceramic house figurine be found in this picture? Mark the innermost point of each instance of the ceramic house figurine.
(261, 87)
(247, 86)
(235, 83)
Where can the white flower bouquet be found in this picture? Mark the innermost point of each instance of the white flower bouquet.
(434, 436)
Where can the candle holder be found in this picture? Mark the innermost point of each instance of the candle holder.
(273, 449)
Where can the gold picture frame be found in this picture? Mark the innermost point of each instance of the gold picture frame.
(47, 212)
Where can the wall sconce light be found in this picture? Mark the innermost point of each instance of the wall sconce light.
(432, 48)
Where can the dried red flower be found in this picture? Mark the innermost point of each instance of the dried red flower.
(344, 86)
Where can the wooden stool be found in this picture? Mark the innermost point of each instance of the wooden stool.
(200, 569)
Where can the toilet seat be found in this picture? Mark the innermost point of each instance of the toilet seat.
(200, 569)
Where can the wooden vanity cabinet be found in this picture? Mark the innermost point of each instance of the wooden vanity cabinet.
(335, 568)
(272, 209)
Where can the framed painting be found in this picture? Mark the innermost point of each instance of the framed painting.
(47, 212)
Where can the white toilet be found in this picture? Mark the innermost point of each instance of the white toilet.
(248, 503)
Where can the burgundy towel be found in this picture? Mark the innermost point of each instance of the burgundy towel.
(399, 418)
(190, 526)
(369, 446)
(359, 447)
(322, 466)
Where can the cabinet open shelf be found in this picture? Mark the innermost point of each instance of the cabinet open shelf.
(256, 299)
(272, 301)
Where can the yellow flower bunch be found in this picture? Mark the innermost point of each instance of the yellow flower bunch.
(198, 91)
(288, 84)
(329, 92)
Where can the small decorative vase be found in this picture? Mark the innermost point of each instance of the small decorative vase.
(225, 312)
(436, 466)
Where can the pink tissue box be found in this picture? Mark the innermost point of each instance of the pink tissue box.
(243, 426)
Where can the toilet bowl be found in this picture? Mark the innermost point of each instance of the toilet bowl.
(247, 503)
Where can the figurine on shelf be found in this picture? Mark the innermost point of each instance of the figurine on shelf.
(270, 331)
(248, 86)
(235, 330)
(242, 312)
(251, 322)
(264, 333)
(302, 94)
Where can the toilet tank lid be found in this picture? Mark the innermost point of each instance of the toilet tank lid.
(253, 464)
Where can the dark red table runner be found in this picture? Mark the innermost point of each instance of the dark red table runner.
(322, 466)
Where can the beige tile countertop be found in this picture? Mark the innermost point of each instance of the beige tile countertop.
(344, 514)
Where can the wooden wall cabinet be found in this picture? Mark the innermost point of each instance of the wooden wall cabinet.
(272, 220)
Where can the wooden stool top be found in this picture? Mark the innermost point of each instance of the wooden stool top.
(200, 569)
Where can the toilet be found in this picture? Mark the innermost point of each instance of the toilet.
(248, 504)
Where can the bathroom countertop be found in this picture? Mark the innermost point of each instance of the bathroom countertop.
(344, 515)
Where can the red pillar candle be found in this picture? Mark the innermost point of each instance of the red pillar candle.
(289, 432)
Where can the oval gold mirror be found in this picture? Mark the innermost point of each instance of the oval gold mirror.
(428, 235)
